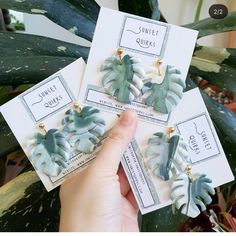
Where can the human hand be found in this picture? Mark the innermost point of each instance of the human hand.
(100, 198)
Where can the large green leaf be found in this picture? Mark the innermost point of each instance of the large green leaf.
(211, 26)
(26, 206)
(90, 6)
(231, 60)
(75, 18)
(217, 65)
(163, 220)
(8, 142)
(31, 69)
(8, 92)
(217, 55)
(30, 59)
(145, 8)
(15, 44)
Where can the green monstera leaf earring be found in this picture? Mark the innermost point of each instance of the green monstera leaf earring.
(164, 96)
(189, 192)
(168, 159)
(50, 152)
(123, 79)
(83, 128)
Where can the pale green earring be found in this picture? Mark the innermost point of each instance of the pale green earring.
(124, 76)
(191, 193)
(83, 128)
(164, 97)
(168, 159)
(50, 151)
(166, 156)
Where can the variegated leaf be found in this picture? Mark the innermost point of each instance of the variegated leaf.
(123, 80)
(189, 195)
(50, 152)
(83, 129)
(167, 157)
(165, 96)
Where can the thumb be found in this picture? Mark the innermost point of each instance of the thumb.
(116, 142)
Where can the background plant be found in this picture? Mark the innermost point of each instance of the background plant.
(27, 59)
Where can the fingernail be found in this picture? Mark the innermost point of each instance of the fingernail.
(128, 117)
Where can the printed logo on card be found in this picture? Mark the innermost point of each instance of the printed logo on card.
(144, 36)
(198, 134)
(47, 98)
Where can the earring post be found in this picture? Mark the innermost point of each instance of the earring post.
(159, 63)
(119, 53)
(42, 126)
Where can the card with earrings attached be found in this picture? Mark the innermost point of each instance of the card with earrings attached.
(137, 63)
(142, 64)
(58, 135)
(180, 163)
(175, 157)
(43, 120)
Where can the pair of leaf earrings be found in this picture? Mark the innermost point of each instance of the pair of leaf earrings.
(168, 159)
(82, 130)
(124, 80)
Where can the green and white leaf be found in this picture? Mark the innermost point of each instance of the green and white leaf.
(22, 182)
(17, 70)
(75, 16)
(26, 206)
(166, 158)
(83, 130)
(211, 26)
(49, 153)
(123, 80)
(165, 97)
(30, 59)
(8, 142)
(187, 195)
(34, 45)
(215, 65)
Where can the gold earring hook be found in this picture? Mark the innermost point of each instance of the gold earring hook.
(170, 130)
(119, 54)
(189, 170)
(159, 63)
(77, 106)
(42, 126)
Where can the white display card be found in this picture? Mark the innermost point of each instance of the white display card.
(139, 37)
(148, 40)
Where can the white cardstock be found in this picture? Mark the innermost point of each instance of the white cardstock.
(199, 136)
(47, 103)
(210, 159)
(139, 37)
(175, 46)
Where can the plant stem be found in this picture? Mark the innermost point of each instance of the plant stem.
(198, 11)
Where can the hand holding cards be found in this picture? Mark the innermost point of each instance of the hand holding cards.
(143, 67)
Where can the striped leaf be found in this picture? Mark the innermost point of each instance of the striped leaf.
(211, 26)
(217, 65)
(72, 15)
(31, 208)
(32, 58)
